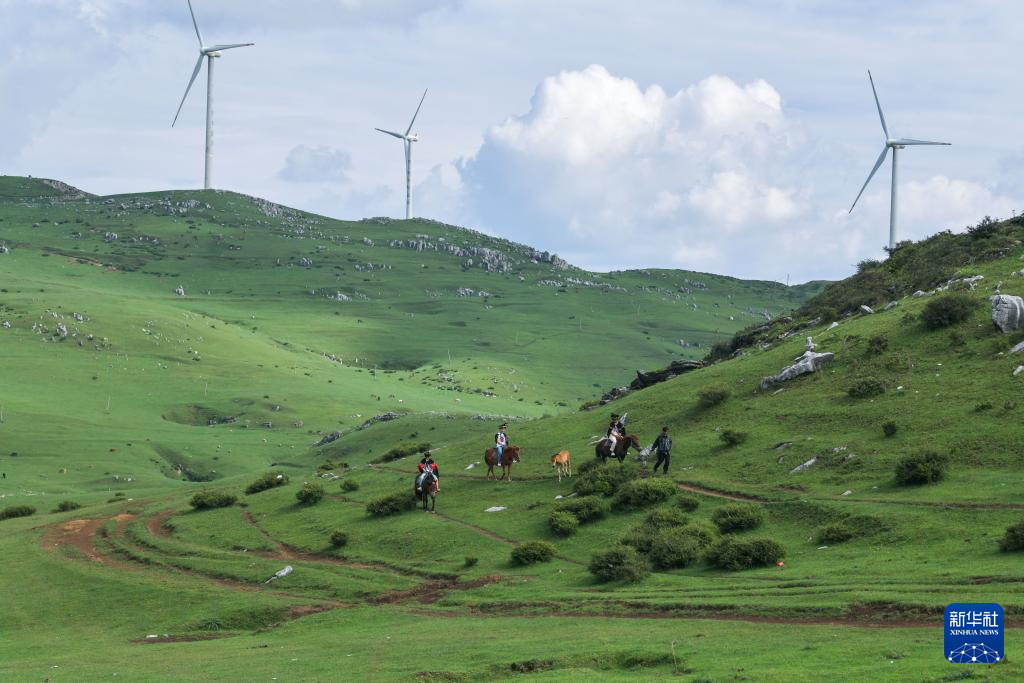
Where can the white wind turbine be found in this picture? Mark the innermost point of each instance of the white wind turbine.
(407, 141)
(210, 52)
(895, 144)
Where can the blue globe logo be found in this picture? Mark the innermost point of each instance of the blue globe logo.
(969, 653)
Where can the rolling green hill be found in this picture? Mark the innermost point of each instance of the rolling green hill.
(151, 590)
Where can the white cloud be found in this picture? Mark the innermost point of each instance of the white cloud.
(316, 165)
(733, 199)
(941, 202)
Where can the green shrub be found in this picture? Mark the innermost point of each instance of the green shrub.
(839, 532)
(687, 503)
(878, 344)
(267, 481)
(734, 554)
(709, 397)
(947, 310)
(391, 504)
(604, 480)
(67, 506)
(1013, 541)
(563, 523)
(889, 428)
(922, 468)
(584, 509)
(349, 485)
(732, 438)
(310, 494)
(737, 517)
(674, 549)
(640, 537)
(531, 552)
(642, 492)
(207, 500)
(339, 539)
(401, 451)
(470, 561)
(665, 518)
(866, 388)
(621, 563)
(13, 511)
(701, 532)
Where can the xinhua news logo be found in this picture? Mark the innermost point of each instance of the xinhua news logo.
(974, 633)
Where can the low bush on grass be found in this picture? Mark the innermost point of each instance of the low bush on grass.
(878, 344)
(732, 438)
(921, 468)
(267, 481)
(391, 504)
(532, 552)
(67, 506)
(1013, 541)
(737, 517)
(687, 503)
(735, 554)
(596, 479)
(709, 397)
(563, 523)
(640, 538)
(621, 563)
(401, 451)
(208, 500)
(470, 561)
(947, 310)
(310, 494)
(13, 511)
(866, 388)
(349, 485)
(674, 549)
(890, 428)
(640, 493)
(339, 539)
(584, 509)
(665, 518)
(832, 534)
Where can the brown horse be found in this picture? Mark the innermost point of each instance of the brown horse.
(562, 462)
(427, 486)
(603, 448)
(511, 455)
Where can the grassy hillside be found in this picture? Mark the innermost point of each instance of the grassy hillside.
(868, 564)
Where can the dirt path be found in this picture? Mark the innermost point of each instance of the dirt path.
(80, 534)
(479, 473)
(694, 488)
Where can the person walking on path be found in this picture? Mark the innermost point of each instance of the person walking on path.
(663, 446)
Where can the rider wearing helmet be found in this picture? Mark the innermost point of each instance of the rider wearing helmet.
(427, 463)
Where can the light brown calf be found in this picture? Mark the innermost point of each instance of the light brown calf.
(562, 464)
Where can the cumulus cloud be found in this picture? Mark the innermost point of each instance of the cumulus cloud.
(316, 165)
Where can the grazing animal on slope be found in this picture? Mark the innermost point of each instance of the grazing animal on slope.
(510, 456)
(562, 464)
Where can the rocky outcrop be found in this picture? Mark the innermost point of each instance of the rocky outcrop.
(1007, 312)
(384, 417)
(677, 367)
(807, 363)
(333, 436)
(867, 310)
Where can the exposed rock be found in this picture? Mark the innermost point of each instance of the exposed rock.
(809, 345)
(808, 362)
(179, 290)
(305, 262)
(918, 294)
(1007, 312)
(4, 249)
(891, 305)
(617, 392)
(385, 417)
(333, 436)
(801, 468)
(1015, 349)
(62, 330)
(677, 367)
(833, 326)
(110, 237)
(1020, 369)
(866, 309)
(7, 325)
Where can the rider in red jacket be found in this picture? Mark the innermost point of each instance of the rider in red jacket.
(428, 462)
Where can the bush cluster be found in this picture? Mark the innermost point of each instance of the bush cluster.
(921, 468)
(339, 539)
(665, 518)
(67, 506)
(563, 523)
(737, 517)
(947, 310)
(349, 485)
(732, 438)
(642, 492)
(734, 554)
(1014, 538)
(532, 552)
(267, 481)
(674, 549)
(310, 494)
(401, 451)
(595, 479)
(584, 509)
(866, 388)
(391, 504)
(207, 500)
(709, 397)
(889, 428)
(687, 503)
(621, 563)
(839, 532)
(878, 344)
(13, 511)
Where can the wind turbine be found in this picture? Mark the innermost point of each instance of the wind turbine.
(407, 141)
(210, 52)
(895, 144)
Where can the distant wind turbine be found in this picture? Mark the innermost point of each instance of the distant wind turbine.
(895, 144)
(210, 53)
(407, 141)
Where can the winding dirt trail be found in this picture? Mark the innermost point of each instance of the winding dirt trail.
(80, 534)
(704, 491)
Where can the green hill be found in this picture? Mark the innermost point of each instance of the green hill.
(122, 425)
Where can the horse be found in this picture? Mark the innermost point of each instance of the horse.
(562, 464)
(510, 455)
(603, 448)
(426, 485)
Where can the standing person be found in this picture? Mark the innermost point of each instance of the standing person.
(501, 441)
(663, 445)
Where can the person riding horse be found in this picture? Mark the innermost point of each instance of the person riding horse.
(616, 430)
(426, 465)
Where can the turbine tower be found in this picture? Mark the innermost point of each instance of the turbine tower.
(895, 144)
(407, 141)
(210, 52)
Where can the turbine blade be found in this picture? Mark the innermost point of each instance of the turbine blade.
(397, 135)
(195, 72)
(881, 116)
(232, 46)
(417, 112)
(195, 23)
(881, 158)
(911, 141)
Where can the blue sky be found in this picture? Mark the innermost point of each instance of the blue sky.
(727, 137)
